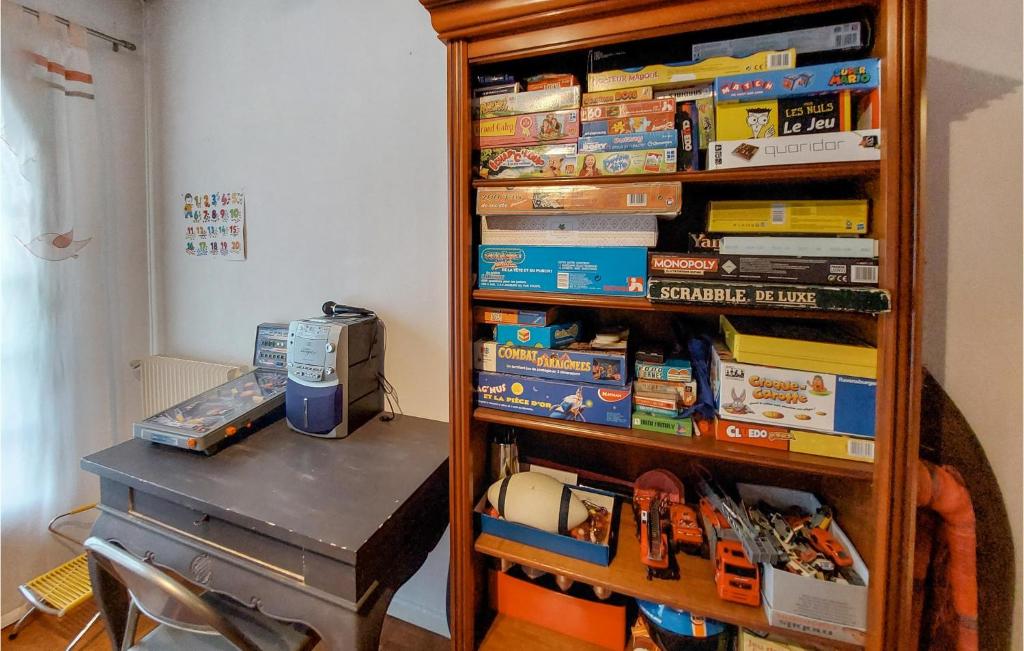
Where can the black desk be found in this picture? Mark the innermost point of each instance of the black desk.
(309, 530)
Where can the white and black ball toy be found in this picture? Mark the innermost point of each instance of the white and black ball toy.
(537, 500)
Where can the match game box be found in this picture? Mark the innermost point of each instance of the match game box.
(842, 146)
(860, 75)
(609, 270)
(572, 401)
(659, 198)
(674, 75)
(790, 398)
(528, 161)
(534, 101)
(616, 163)
(576, 363)
(528, 129)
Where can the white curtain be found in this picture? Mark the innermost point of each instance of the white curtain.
(58, 399)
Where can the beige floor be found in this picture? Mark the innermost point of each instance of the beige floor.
(45, 633)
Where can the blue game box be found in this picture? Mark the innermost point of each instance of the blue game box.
(608, 270)
(845, 75)
(558, 335)
(578, 363)
(574, 401)
(629, 141)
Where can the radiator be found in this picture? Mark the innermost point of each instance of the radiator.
(166, 381)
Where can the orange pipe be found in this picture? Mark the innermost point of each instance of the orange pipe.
(942, 490)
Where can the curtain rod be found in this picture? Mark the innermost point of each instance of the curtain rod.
(115, 42)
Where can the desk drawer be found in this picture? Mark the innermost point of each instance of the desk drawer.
(278, 555)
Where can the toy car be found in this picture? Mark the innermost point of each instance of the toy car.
(737, 578)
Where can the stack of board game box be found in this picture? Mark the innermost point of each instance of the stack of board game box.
(794, 254)
(528, 134)
(811, 114)
(663, 390)
(534, 365)
(571, 239)
(791, 385)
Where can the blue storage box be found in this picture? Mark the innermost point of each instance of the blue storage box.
(597, 553)
(552, 336)
(629, 141)
(608, 270)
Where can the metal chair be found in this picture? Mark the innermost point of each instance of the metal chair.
(206, 622)
(62, 589)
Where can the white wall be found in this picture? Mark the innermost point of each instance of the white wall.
(972, 229)
(118, 82)
(330, 116)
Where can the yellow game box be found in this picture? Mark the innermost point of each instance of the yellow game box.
(821, 216)
(785, 116)
(676, 75)
(837, 446)
(797, 345)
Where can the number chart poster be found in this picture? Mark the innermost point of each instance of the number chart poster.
(215, 225)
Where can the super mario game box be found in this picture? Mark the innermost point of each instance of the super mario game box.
(573, 401)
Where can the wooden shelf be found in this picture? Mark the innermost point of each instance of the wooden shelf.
(697, 446)
(761, 175)
(643, 305)
(694, 591)
(511, 634)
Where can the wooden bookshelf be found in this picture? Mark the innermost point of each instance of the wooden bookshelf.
(510, 634)
(696, 447)
(874, 502)
(694, 591)
(758, 175)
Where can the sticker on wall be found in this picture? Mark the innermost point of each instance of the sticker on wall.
(215, 224)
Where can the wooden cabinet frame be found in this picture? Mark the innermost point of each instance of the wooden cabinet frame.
(485, 31)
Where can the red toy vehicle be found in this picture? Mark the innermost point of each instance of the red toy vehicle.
(686, 532)
(737, 578)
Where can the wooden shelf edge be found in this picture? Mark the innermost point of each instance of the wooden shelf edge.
(507, 633)
(767, 174)
(697, 446)
(694, 591)
(642, 304)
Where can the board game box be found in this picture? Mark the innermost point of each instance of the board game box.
(577, 362)
(831, 247)
(831, 216)
(785, 116)
(637, 124)
(765, 436)
(528, 161)
(558, 335)
(702, 243)
(682, 426)
(618, 96)
(686, 391)
(795, 297)
(658, 198)
(689, 73)
(569, 230)
(541, 82)
(796, 344)
(790, 398)
(837, 446)
(534, 101)
(628, 141)
(686, 119)
(842, 146)
(757, 268)
(572, 401)
(500, 89)
(640, 161)
(612, 270)
(514, 315)
(862, 74)
(652, 109)
(671, 370)
(826, 38)
(527, 129)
